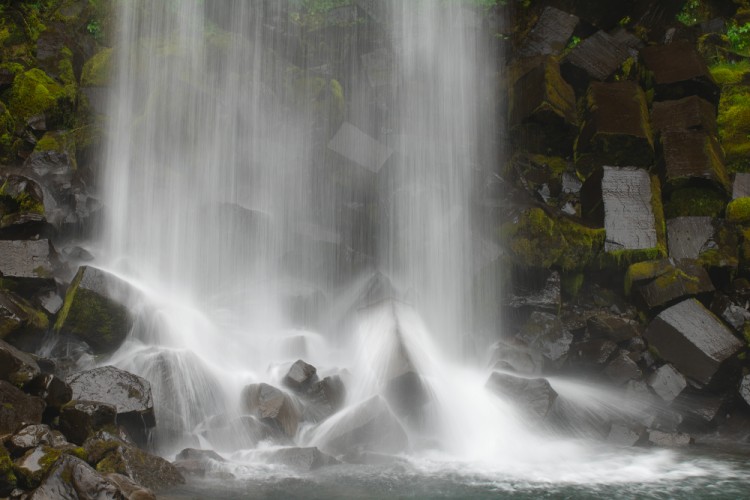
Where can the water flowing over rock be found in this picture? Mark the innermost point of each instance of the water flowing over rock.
(533, 396)
(272, 406)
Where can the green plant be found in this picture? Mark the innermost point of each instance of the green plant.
(693, 12)
(739, 37)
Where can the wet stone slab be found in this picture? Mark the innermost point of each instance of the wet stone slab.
(628, 214)
(688, 237)
(595, 58)
(550, 34)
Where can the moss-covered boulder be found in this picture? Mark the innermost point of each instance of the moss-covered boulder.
(16, 366)
(71, 477)
(657, 284)
(8, 478)
(739, 210)
(34, 93)
(97, 70)
(690, 157)
(54, 159)
(695, 201)
(596, 58)
(713, 242)
(94, 310)
(19, 318)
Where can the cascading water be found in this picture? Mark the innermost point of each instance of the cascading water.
(262, 171)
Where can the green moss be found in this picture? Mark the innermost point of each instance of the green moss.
(643, 271)
(730, 72)
(739, 210)
(32, 477)
(96, 71)
(7, 475)
(572, 283)
(733, 121)
(695, 201)
(112, 463)
(34, 92)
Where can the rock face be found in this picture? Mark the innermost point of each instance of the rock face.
(26, 259)
(534, 396)
(550, 34)
(272, 406)
(93, 312)
(17, 408)
(691, 338)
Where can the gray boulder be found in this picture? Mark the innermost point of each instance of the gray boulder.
(667, 382)
(272, 406)
(27, 259)
(534, 396)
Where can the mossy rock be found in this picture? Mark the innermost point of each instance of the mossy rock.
(734, 126)
(695, 201)
(97, 70)
(8, 480)
(34, 93)
(147, 470)
(539, 240)
(19, 318)
(34, 465)
(739, 210)
(21, 202)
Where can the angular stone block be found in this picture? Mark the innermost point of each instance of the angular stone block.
(272, 406)
(667, 382)
(534, 396)
(358, 147)
(26, 259)
(688, 113)
(688, 236)
(622, 369)
(550, 34)
(691, 156)
(691, 338)
(672, 281)
(17, 408)
(616, 128)
(596, 58)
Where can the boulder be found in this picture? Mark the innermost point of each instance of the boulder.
(689, 113)
(688, 237)
(508, 356)
(592, 353)
(674, 281)
(79, 419)
(94, 311)
(128, 393)
(369, 425)
(21, 207)
(608, 326)
(72, 478)
(272, 406)
(359, 148)
(20, 321)
(692, 156)
(596, 57)
(616, 128)
(550, 34)
(547, 334)
(54, 159)
(621, 435)
(53, 390)
(196, 462)
(533, 396)
(667, 382)
(27, 259)
(302, 459)
(33, 436)
(691, 338)
(324, 398)
(678, 71)
(622, 369)
(34, 465)
(145, 469)
(16, 366)
(701, 411)
(300, 376)
(17, 409)
(669, 439)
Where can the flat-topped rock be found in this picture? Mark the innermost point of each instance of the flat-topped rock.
(26, 259)
(691, 338)
(550, 34)
(692, 156)
(596, 57)
(667, 382)
(688, 237)
(674, 280)
(688, 113)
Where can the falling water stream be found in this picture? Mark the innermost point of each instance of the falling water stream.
(281, 190)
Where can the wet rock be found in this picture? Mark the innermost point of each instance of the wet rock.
(593, 353)
(51, 301)
(324, 398)
(611, 327)
(17, 409)
(689, 113)
(543, 111)
(272, 406)
(547, 334)
(35, 435)
(53, 390)
(701, 411)
(679, 71)
(616, 129)
(16, 366)
(300, 376)
(745, 389)
(21, 207)
(621, 200)
(34, 465)
(196, 462)
(667, 382)
(129, 488)
(20, 322)
(100, 443)
(550, 34)
(534, 396)
(128, 393)
(675, 281)
(8, 478)
(53, 159)
(734, 315)
(356, 146)
(692, 156)
(26, 259)
(596, 57)
(741, 185)
(669, 439)
(622, 435)
(369, 425)
(94, 310)
(688, 237)
(72, 478)
(302, 459)
(548, 298)
(516, 358)
(79, 419)
(622, 369)
(148, 470)
(691, 338)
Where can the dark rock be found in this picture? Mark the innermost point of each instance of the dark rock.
(34, 465)
(745, 389)
(734, 315)
(701, 411)
(20, 322)
(79, 419)
(688, 237)
(272, 406)
(21, 207)
(53, 390)
(609, 326)
(129, 488)
(300, 376)
(148, 470)
(516, 358)
(303, 459)
(741, 185)
(597, 57)
(72, 478)
(35, 435)
(194, 454)
(543, 110)
(691, 338)
(669, 439)
(16, 366)
(324, 398)
(593, 353)
(100, 443)
(17, 408)
(622, 369)
(128, 393)
(548, 298)
(679, 71)
(667, 382)
(8, 478)
(94, 310)
(26, 259)
(550, 34)
(692, 156)
(679, 280)
(622, 435)
(534, 396)
(689, 113)
(546, 333)
(53, 159)
(369, 425)
(616, 129)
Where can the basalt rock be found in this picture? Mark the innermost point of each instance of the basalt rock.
(691, 338)
(22, 210)
(16, 366)
(667, 382)
(21, 322)
(597, 57)
(744, 389)
(689, 236)
(688, 113)
(548, 298)
(622, 369)
(272, 406)
(18, 409)
(594, 353)
(35, 435)
(324, 398)
(534, 396)
(148, 470)
(672, 281)
(545, 333)
(609, 326)
(550, 34)
(53, 390)
(691, 156)
(31, 259)
(300, 376)
(72, 478)
(129, 488)
(8, 479)
(79, 419)
(621, 435)
(246, 431)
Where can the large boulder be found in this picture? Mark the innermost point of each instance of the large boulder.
(79, 419)
(32, 259)
(713, 242)
(603, 325)
(16, 366)
(689, 113)
(694, 340)
(94, 311)
(550, 34)
(17, 408)
(272, 406)
(72, 478)
(193, 462)
(533, 396)
(622, 369)
(20, 321)
(692, 156)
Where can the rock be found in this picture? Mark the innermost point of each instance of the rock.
(679, 71)
(701, 411)
(691, 338)
(593, 353)
(621, 435)
(741, 185)
(79, 419)
(272, 406)
(611, 327)
(324, 398)
(621, 200)
(734, 315)
(54, 159)
(100, 443)
(546, 333)
(128, 393)
(676, 280)
(33, 466)
(667, 382)
(8, 478)
(550, 34)
(689, 113)
(688, 237)
(300, 376)
(691, 156)
(51, 301)
(616, 128)
(33, 436)
(745, 389)
(17, 409)
(53, 390)
(302, 459)
(669, 439)
(129, 488)
(20, 322)
(22, 211)
(26, 259)
(369, 425)
(515, 358)
(533, 396)
(596, 57)
(16, 366)
(193, 454)
(72, 478)
(196, 462)
(622, 369)
(147, 470)
(549, 298)
(543, 115)
(94, 310)
(358, 147)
